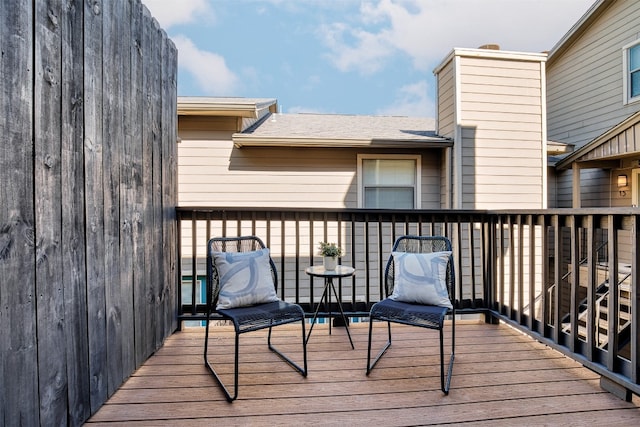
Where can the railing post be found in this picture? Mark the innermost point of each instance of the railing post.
(557, 277)
(635, 300)
(591, 285)
(612, 308)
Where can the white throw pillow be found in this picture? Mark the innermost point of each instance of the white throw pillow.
(421, 278)
(245, 278)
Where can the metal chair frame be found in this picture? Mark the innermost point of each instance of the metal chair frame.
(431, 317)
(248, 319)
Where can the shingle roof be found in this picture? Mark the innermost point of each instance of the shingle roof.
(340, 130)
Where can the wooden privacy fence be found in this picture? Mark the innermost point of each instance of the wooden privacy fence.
(87, 197)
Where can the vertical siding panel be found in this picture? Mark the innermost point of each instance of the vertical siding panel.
(93, 152)
(73, 223)
(18, 351)
(48, 217)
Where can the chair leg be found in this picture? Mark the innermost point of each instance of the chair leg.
(370, 365)
(445, 385)
(210, 366)
(303, 371)
(228, 395)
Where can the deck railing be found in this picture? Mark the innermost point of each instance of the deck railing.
(543, 272)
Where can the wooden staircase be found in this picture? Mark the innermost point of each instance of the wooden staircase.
(603, 298)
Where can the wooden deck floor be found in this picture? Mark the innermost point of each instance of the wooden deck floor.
(500, 378)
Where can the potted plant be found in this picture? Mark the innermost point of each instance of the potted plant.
(330, 253)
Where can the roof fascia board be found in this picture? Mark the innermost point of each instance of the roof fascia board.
(209, 107)
(627, 123)
(242, 140)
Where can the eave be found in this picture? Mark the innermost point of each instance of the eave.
(243, 140)
(228, 107)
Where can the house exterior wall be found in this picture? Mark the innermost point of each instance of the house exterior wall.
(585, 82)
(445, 125)
(212, 172)
(500, 154)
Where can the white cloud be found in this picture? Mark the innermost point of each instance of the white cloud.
(366, 54)
(412, 101)
(170, 12)
(420, 29)
(209, 69)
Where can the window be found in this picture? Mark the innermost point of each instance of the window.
(388, 182)
(200, 290)
(631, 77)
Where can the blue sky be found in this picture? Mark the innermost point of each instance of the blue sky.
(371, 57)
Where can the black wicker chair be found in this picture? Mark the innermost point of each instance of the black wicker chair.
(425, 316)
(250, 318)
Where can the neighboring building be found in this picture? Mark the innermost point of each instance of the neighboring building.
(487, 151)
(239, 152)
(505, 123)
(593, 102)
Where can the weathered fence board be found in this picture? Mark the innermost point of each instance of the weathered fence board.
(73, 224)
(94, 203)
(169, 184)
(48, 218)
(87, 183)
(136, 193)
(18, 350)
(148, 131)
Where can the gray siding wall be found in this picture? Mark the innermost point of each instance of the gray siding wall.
(585, 83)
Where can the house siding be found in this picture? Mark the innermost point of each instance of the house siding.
(585, 82)
(502, 143)
(446, 102)
(212, 172)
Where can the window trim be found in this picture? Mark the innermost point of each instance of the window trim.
(417, 202)
(626, 74)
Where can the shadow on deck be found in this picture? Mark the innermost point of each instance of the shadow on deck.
(500, 378)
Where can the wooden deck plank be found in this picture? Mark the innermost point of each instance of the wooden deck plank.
(500, 377)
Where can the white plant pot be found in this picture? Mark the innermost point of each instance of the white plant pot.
(330, 262)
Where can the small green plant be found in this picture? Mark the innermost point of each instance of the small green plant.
(330, 249)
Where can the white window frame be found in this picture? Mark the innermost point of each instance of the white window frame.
(626, 75)
(417, 202)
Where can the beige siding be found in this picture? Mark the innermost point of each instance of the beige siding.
(446, 102)
(502, 147)
(212, 172)
(585, 83)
